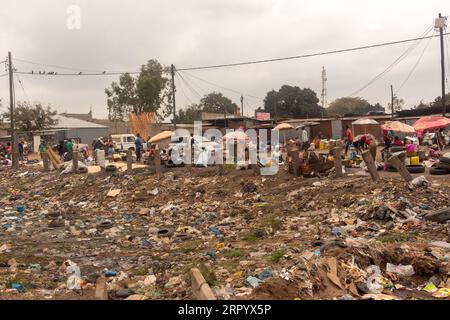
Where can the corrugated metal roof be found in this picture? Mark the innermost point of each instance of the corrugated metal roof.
(72, 123)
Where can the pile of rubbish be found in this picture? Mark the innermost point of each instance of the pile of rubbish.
(118, 236)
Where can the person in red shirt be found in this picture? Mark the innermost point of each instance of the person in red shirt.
(348, 139)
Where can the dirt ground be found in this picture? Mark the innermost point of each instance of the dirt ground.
(300, 238)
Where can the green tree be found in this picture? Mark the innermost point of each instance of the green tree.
(292, 102)
(398, 104)
(216, 102)
(147, 92)
(32, 117)
(438, 101)
(190, 114)
(352, 105)
(422, 105)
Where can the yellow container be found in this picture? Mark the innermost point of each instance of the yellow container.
(415, 161)
(321, 146)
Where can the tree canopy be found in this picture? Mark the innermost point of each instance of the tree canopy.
(147, 92)
(352, 105)
(292, 102)
(29, 117)
(214, 102)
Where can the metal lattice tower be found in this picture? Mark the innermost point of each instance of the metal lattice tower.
(323, 100)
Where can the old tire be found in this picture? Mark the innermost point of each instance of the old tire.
(110, 168)
(391, 168)
(438, 171)
(443, 165)
(395, 149)
(416, 169)
(445, 160)
(82, 170)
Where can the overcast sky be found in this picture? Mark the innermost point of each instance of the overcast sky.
(122, 35)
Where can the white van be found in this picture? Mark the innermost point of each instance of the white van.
(123, 142)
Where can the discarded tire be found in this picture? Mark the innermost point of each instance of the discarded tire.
(415, 169)
(391, 168)
(110, 168)
(164, 233)
(82, 170)
(445, 160)
(397, 149)
(443, 165)
(438, 171)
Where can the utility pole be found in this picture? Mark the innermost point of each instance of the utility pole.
(440, 23)
(14, 155)
(242, 106)
(392, 102)
(172, 71)
(323, 96)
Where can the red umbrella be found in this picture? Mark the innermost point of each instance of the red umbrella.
(430, 123)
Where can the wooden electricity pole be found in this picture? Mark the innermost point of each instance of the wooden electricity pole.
(392, 102)
(14, 155)
(441, 26)
(172, 71)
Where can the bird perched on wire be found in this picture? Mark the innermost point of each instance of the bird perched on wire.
(104, 72)
(79, 73)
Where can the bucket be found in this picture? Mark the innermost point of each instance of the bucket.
(415, 161)
(321, 146)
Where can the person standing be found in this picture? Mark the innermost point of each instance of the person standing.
(69, 147)
(348, 137)
(9, 151)
(21, 158)
(305, 139)
(138, 144)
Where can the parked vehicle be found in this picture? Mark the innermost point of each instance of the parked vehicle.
(123, 142)
(181, 144)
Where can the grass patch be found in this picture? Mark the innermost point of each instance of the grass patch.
(276, 256)
(254, 235)
(397, 237)
(209, 276)
(189, 246)
(235, 253)
(141, 271)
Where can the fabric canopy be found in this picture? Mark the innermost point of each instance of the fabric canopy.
(161, 136)
(365, 121)
(283, 126)
(397, 126)
(431, 122)
(236, 135)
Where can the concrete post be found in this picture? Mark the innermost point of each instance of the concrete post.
(45, 160)
(400, 166)
(337, 161)
(367, 156)
(129, 161)
(74, 161)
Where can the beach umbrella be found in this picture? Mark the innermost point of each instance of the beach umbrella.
(236, 135)
(431, 122)
(283, 126)
(161, 136)
(364, 121)
(397, 126)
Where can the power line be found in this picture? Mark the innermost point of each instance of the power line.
(189, 86)
(308, 55)
(396, 61)
(63, 67)
(222, 87)
(23, 89)
(3, 75)
(184, 93)
(414, 67)
(104, 73)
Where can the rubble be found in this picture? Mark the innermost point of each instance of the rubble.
(137, 237)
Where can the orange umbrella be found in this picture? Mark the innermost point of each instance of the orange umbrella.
(283, 126)
(430, 123)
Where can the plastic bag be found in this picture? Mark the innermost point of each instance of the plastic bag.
(403, 270)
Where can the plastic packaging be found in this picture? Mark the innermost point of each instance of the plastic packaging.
(375, 280)
(403, 270)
